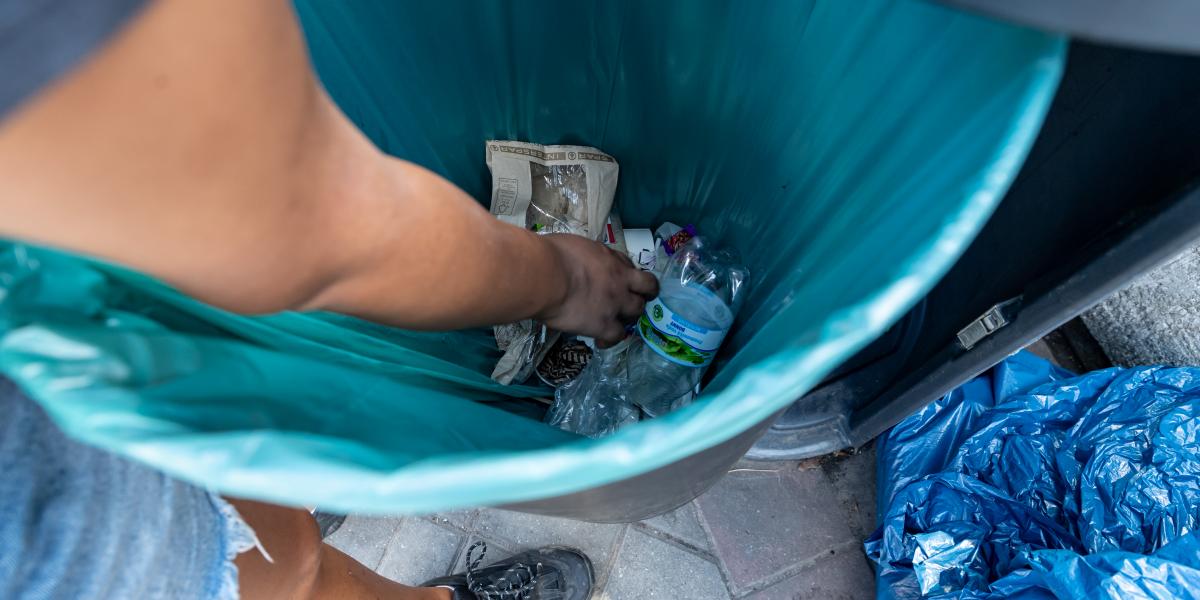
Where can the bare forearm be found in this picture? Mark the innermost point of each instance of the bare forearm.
(200, 148)
(418, 252)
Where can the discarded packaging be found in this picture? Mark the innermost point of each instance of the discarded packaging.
(596, 403)
(547, 189)
(700, 291)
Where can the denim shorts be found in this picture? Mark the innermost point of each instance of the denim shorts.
(79, 522)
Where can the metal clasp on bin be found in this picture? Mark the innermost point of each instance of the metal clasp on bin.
(996, 317)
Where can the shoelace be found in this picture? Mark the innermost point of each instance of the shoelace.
(515, 583)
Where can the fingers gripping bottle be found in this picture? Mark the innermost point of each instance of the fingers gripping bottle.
(700, 291)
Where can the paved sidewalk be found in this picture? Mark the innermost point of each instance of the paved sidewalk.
(767, 531)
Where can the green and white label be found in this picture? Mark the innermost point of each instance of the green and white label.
(677, 339)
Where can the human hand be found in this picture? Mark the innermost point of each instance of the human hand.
(604, 291)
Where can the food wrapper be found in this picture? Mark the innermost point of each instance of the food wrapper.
(548, 189)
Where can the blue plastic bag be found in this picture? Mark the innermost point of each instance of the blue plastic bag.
(1028, 482)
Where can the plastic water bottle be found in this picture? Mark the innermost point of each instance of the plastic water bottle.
(700, 290)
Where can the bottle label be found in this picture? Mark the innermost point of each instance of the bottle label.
(677, 339)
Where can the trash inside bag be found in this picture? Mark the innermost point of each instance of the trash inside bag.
(659, 369)
(1029, 482)
(700, 291)
(565, 361)
(547, 189)
(596, 403)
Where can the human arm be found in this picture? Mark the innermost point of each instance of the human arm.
(199, 147)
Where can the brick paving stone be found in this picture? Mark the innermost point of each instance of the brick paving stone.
(845, 575)
(683, 525)
(420, 551)
(459, 519)
(764, 522)
(649, 568)
(365, 538)
(772, 527)
(524, 532)
(854, 478)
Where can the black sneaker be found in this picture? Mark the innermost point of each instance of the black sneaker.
(542, 574)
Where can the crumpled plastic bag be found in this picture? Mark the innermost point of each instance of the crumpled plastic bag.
(596, 403)
(1028, 482)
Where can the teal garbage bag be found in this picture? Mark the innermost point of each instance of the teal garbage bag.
(849, 150)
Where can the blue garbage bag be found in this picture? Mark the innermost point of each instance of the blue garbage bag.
(1029, 482)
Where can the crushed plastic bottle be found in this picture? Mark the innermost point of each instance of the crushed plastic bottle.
(700, 291)
(659, 369)
(596, 402)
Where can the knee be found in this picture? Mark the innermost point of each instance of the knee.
(309, 554)
(292, 540)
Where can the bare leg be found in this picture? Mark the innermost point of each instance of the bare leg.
(304, 567)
